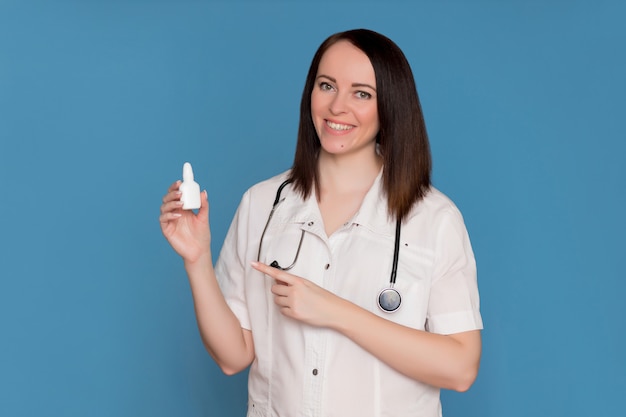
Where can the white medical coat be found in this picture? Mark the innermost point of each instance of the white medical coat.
(301, 370)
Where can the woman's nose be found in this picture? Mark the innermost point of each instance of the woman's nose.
(338, 104)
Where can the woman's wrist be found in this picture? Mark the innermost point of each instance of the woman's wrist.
(204, 262)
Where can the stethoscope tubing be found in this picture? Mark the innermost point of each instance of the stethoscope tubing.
(394, 269)
(276, 201)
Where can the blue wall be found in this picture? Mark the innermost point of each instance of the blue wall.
(101, 102)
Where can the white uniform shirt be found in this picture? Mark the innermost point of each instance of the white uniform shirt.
(301, 370)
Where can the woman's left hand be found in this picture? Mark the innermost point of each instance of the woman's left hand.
(300, 299)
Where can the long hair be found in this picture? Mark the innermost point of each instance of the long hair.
(402, 138)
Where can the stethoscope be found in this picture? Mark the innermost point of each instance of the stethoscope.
(389, 298)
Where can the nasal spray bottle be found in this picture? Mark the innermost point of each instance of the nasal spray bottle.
(190, 189)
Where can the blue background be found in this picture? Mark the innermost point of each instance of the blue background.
(101, 102)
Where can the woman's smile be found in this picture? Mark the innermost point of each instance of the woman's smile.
(338, 126)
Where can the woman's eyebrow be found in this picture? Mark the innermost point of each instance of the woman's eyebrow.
(363, 85)
(327, 77)
(353, 84)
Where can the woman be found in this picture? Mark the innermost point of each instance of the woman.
(357, 295)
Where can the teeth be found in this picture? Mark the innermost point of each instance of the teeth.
(337, 126)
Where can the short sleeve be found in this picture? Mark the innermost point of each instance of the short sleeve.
(454, 304)
(231, 265)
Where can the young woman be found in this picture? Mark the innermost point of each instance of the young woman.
(348, 283)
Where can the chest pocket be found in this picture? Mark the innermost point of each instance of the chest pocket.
(365, 262)
(413, 281)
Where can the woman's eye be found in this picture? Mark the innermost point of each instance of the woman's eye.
(324, 86)
(363, 95)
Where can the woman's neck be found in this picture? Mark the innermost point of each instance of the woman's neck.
(343, 183)
(347, 173)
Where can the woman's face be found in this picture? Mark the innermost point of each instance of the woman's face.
(343, 101)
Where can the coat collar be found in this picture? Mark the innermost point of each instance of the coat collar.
(372, 214)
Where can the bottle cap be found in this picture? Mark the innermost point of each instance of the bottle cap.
(187, 172)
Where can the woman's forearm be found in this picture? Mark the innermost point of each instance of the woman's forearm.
(449, 362)
(230, 346)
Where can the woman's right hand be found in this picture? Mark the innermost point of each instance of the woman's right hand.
(187, 232)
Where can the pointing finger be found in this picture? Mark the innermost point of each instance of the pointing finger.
(277, 274)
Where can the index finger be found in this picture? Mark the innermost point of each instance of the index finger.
(173, 193)
(279, 275)
(175, 186)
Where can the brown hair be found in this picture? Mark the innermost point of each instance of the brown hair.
(402, 136)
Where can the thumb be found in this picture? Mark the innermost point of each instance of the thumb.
(204, 204)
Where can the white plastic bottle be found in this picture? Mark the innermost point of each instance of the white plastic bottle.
(190, 189)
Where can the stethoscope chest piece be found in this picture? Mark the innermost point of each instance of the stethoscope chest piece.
(389, 300)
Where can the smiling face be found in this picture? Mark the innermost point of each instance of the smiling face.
(343, 101)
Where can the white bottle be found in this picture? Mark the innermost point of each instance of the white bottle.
(190, 189)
